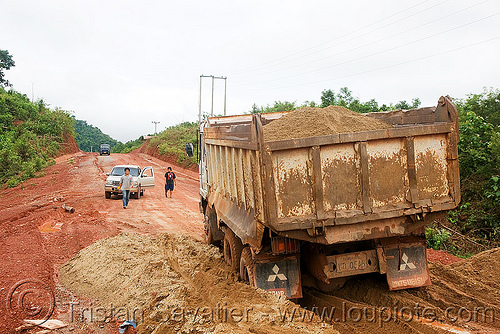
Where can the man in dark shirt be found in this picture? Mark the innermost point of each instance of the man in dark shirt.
(169, 182)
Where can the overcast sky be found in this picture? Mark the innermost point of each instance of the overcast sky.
(121, 64)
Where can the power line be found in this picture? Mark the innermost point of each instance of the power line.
(373, 54)
(381, 68)
(374, 42)
(339, 37)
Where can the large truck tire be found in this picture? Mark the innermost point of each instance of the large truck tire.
(107, 194)
(247, 266)
(209, 234)
(232, 250)
(213, 235)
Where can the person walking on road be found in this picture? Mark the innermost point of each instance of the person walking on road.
(125, 185)
(169, 182)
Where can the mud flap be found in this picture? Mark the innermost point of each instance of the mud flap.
(406, 266)
(280, 275)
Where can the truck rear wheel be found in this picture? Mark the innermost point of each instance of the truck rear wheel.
(107, 194)
(213, 235)
(247, 266)
(209, 237)
(232, 250)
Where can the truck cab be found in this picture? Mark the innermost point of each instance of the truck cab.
(104, 149)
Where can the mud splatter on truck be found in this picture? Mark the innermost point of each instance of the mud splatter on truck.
(314, 196)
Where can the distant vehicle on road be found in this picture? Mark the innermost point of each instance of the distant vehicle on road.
(141, 180)
(104, 149)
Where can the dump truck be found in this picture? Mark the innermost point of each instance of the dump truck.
(314, 211)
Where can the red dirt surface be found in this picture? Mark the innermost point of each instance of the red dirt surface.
(37, 235)
(441, 256)
(69, 145)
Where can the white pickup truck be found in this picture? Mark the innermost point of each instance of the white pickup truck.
(141, 179)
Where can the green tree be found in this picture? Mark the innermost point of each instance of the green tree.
(88, 136)
(6, 62)
(31, 135)
(171, 143)
(415, 103)
(485, 104)
(328, 98)
(279, 106)
(311, 104)
(344, 97)
(402, 105)
(479, 157)
(255, 109)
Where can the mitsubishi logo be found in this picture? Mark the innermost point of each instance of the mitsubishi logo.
(276, 269)
(406, 263)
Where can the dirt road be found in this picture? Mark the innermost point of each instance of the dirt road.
(153, 213)
(149, 258)
(37, 235)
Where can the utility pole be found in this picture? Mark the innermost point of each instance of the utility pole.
(199, 104)
(33, 92)
(212, 109)
(213, 88)
(225, 94)
(156, 123)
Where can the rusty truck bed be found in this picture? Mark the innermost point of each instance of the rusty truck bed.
(336, 188)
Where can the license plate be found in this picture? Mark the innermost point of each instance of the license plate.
(351, 262)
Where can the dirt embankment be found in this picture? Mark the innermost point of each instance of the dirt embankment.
(311, 122)
(69, 145)
(153, 151)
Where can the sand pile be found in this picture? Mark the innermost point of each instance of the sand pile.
(181, 284)
(472, 284)
(310, 122)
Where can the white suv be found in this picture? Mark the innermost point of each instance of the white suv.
(141, 179)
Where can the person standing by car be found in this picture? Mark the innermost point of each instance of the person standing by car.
(169, 182)
(125, 185)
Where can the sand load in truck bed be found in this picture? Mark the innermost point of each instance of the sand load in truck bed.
(311, 122)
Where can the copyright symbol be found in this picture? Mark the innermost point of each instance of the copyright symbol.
(31, 299)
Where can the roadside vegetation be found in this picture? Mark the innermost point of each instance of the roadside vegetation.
(343, 98)
(172, 141)
(89, 137)
(127, 147)
(477, 220)
(31, 136)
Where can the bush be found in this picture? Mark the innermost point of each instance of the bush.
(479, 157)
(436, 237)
(31, 136)
(172, 142)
